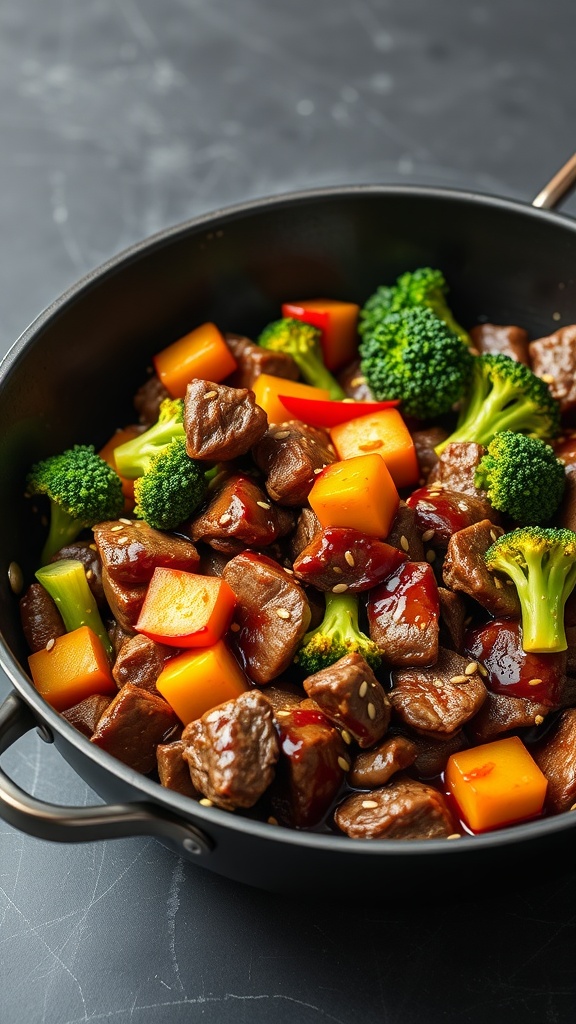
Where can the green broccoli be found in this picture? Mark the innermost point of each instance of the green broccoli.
(171, 488)
(542, 563)
(504, 395)
(133, 458)
(83, 490)
(338, 634)
(422, 287)
(522, 477)
(302, 342)
(68, 587)
(413, 356)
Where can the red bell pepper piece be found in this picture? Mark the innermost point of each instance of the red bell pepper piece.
(337, 320)
(317, 413)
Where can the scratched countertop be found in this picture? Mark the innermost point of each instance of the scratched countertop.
(121, 117)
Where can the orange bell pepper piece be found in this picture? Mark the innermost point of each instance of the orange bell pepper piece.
(198, 680)
(182, 609)
(384, 433)
(337, 320)
(359, 493)
(75, 667)
(202, 353)
(268, 390)
(107, 453)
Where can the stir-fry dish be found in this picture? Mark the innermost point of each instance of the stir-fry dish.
(325, 580)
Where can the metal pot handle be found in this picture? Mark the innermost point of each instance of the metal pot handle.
(82, 824)
(559, 187)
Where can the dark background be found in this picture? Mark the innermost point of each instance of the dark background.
(118, 118)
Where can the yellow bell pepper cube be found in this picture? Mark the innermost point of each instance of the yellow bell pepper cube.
(357, 493)
(200, 679)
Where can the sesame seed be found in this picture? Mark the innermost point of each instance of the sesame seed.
(123, 540)
(539, 719)
(89, 574)
(339, 588)
(462, 506)
(534, 682)
(93, 547)
(282, 714)
(427, 535)
(235, 627)
(422, 625)
(363, 689)
(282, 613)
(349, 558)
(371, 711)
(289, 571)
(264, 504)
(337, 570)
(346, 736)
(459, 679)
(356, 382)
(369, 804)
(547, 378)
(493, 534)
(509, 583)
(430, 556)
(272, 821)
(205, 802)
(127, 522)
(556, 316)
(15, 577)
(468, 620)
(344, 764)
(454, 835)
(471, 668)
(281, 434)
(573, 808)
(225, 518)
(115, 529)
(483, 671)
(50, 644)
(319, 470)
(404, 543)
(497, 583)
(210, 394)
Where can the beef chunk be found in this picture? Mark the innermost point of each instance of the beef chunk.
(554, 360)
(284, 697)
(118, 636)
(272, 613)
(307, 527)
(41, 620)
(556, 759)
(133, 725)
(173, 770)
(403, 616)
(425, 441)
(221, 423)
(498, 339)
(405, 534)
(350, 696)
(140, 661)
(240, 515)
(465, 570)
(354, 384)
(457, 467)
(452, 619)
(86, 715)
(290, 454)
(441, 512)
(432, 754)
(311, 767)
(232, 751)
(130, 550)
(87, 553)
(340, 555)
(125, 601)
(404, 809)
(438, 701)
(501, 714)
(511, 670)
(253, 360)
(372, 768)
(148, 399)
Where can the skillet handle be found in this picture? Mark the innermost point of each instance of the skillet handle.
(82, 824)
(559, 187)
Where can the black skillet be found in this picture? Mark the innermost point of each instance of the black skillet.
(66, 380)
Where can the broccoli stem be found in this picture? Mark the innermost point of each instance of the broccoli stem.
(543, 591)
(314, 372)
(341, 616)
(63, 530)
(68, 587)
(486, 415)
(133, 457)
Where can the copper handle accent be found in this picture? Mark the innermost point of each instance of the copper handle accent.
(559, 187)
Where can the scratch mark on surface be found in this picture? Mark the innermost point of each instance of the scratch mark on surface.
(173, 905)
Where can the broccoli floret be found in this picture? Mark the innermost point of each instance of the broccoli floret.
(302, 342)
(413, 356)
(338, 634)
(83, 490)
(542, 563)
(504, 395)
(422, 287)
(67, 585)
(133, 458)
(522, 477)
(171, 488)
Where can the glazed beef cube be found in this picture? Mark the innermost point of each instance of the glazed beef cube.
(456, 469)
(556, 759)
(130, 550)
(404, 809)
(375, 767)
(307, 526)
(240, 515)
(86, 715)
(284, 697)
(41, 620)
(499, 339)
(148, 399)
(272, 615)
(452, 619)
(354, 384)
(290, 455)
(432, 754)
(87, 553)
(403, 616)
(342, 557)
(405, 534)
(511, 670)
(221, 423)
(465, 570)
(253, 360)
(125, 601)
(232, 751)
(350, 696)
(140, 661)
(311, 767)
(425, 441)
(133, 725)
(438, 701)
(173, 770)
(441, 512)
(501, 714)
(554, 360)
